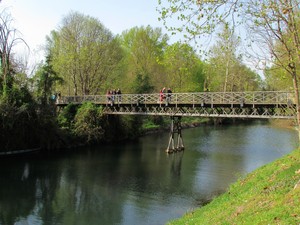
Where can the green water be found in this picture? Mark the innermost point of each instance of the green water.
(137, 182)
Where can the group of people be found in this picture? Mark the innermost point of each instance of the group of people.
(165, 94)
(56, 97)
(113, 95)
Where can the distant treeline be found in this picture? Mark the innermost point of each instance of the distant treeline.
(83, 57)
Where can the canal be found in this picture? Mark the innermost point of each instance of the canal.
(137, 182)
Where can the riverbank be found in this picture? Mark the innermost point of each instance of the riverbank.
(289, 124)
(19, 152)
(268, 195)
(165, 127)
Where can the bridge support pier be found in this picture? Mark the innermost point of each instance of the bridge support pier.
(175, 129)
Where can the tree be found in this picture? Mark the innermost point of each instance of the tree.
(144, 48)
(269, 22)
(183, 67)
(229, 72)
(225, 48)
(142, 84)
(277, 79)
(85, 54)
(45, 80)
(87, 122)
(9, 38)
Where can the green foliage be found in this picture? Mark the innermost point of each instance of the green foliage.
(148, 125)
(158, 120)
(20, 96)
(197, 78)
(142, 84)
(266, 196)
(87, 123)
(277, 79)
(183, 68)
(143, 50)
(85, 54)
(130, 127)
(151, 122)
(45, 80)
(195, 120)
(196, 20)
(66, 117)
(226, 71)
(18, 120)
(268, 28)
(122, 127)
(83, 57)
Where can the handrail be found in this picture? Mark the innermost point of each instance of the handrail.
(211, 98)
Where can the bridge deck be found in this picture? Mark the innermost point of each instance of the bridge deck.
(262, 104)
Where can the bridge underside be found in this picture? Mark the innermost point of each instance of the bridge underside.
(202, 110)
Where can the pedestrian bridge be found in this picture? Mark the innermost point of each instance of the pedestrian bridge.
(258, 104)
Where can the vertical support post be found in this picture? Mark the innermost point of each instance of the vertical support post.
(175, 129)
(171, 145)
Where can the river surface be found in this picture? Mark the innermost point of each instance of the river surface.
(136, 183)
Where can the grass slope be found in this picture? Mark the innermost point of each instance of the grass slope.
(269, 195)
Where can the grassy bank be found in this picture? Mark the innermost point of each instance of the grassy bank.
(268, 195)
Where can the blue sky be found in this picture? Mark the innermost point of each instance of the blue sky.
(36, 18)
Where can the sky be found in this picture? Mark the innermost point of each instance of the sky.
(35, 19)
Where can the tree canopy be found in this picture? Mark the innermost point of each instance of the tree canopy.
(84, 53)
(143, 49)
(270, 28)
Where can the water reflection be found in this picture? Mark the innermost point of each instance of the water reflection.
(135, 183)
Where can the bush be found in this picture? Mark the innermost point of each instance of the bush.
(18, 121)
(87, 123)
(66, 117)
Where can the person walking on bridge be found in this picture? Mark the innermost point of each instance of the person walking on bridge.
(119, 97)
(169, 95)
(161, 95)
(108, 96)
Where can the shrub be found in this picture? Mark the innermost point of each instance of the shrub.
(87, 123)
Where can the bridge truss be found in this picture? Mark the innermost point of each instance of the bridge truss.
(221, 111)
(262, 104)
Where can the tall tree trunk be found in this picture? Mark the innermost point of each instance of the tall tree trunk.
(226, 76)
(293, 27)
(297, 99)
(75, 84)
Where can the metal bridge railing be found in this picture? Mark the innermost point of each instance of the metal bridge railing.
(254, 98)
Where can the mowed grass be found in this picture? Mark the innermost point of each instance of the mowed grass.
(268, 195)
